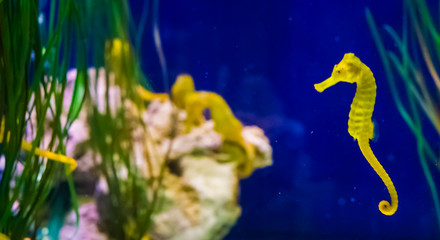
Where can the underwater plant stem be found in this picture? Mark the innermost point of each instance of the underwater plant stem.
(427, 56)
(53, 3)
(163, 167)
(13, 49)
(141, 27)
(413, 121)
(158, 44)
(418, 133)
(427, 107)
(428, 176)
(389, 75)
(20, 78)
(425, 16)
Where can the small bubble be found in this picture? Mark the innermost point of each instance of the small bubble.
(391, 157)
(290, 19)
(352, 199)
(354, 188)
(311, 132)
(41, 18)
(342, 201)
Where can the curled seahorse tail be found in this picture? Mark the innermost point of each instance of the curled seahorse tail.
(384, 206)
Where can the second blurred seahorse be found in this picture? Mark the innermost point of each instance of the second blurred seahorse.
(360, 127)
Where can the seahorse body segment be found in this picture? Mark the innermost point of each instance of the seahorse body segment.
(360, 126)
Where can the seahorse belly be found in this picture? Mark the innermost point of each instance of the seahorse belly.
(359, 118)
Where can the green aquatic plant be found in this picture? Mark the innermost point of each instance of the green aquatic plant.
(33, 64)
(34, 59)
(360, 126)
(130, 205)
(133, 197)
(412, 74)
(107, 20)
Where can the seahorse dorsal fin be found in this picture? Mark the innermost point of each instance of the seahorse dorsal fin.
(376, 133)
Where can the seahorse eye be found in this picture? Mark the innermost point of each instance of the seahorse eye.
(338, 71)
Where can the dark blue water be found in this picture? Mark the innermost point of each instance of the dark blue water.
(264, 57)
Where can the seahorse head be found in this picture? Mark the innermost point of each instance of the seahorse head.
(348, 70)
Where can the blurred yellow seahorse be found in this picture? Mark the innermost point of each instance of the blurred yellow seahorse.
(27, 146)
(360, 127)
(184, 96)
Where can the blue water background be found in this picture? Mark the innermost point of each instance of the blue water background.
(264, 57)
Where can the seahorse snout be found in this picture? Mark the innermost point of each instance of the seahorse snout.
(320, 87)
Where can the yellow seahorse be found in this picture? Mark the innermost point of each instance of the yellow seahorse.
(184, 96)
(27, 146)
(360, 127)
